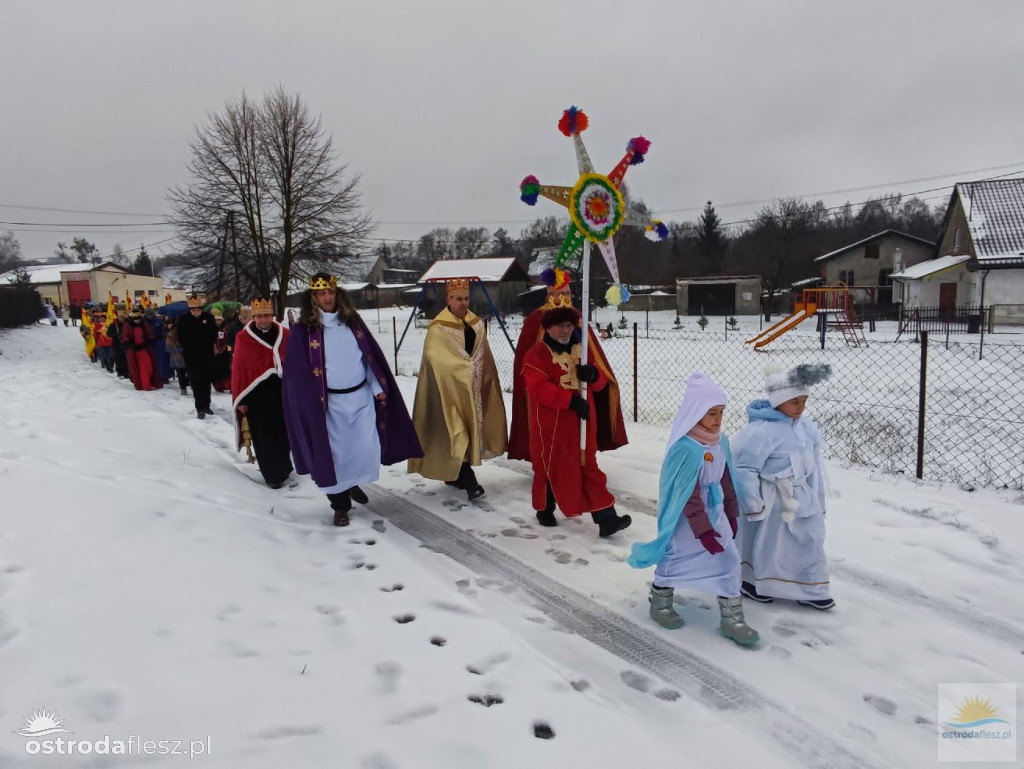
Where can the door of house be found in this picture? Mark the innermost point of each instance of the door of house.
(78, 292)
(947, 300)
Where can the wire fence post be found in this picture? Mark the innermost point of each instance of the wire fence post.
(635, 379)
(921, 393)
(394, 338)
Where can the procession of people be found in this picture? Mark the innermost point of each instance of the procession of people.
(315, 395)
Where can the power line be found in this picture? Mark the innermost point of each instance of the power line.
(518, 221)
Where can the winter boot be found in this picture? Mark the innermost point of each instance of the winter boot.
(546, 517)
(662, 610)
(733, 625)
(467, 481)
(609, 522)
(340, 503)
(358, 495)
(747, 589)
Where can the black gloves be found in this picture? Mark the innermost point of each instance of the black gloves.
(586, 373)
(580, 406)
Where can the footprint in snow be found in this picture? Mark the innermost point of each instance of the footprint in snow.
(388, 676)
(881, 704)
(404, 619)
(542, 731)
(378, 526)
(393, 588)
(486, 699)
(438, 641)
(490, 663)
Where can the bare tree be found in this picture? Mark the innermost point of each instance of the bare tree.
(267, 200)
(470, 242)
(10, 251)
(781, 238)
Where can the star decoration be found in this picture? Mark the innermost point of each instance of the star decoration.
(596, 207)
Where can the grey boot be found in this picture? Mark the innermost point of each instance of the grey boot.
(733, 625)
(662, 610)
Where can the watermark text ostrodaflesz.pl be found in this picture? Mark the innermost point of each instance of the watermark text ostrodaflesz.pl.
(44, 729)
(977, 722)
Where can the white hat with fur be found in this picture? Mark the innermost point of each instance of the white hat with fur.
(786, 385)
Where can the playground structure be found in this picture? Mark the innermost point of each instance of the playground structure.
(835, 307)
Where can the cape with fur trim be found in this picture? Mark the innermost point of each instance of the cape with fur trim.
(254, 361)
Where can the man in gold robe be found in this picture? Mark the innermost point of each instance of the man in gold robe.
(459, 411)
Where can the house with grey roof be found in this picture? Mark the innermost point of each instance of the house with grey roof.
(982, 233)
(869, 264)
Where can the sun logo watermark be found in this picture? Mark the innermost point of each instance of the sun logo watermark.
(40, 723)
(45, 723)
(977, 722)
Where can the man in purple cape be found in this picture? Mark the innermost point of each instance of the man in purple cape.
(343, 409)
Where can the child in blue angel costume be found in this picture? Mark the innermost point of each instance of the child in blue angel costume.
(781, 482)
(697, 516)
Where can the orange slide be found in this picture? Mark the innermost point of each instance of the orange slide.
(802, 311)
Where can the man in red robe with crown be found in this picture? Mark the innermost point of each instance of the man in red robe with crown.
(256, 391)
(611, 428)
(564, 475)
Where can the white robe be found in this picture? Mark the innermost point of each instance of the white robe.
(351, 417)
(779, 475)
(686, 563)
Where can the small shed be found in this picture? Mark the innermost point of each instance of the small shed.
(719, 295)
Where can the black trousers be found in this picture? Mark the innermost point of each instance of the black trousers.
(270, 442)
(120, 360)
(199, 378)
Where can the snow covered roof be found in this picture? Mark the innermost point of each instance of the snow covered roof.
(807, 281)
(995, 216)
(45, 273)
(354, 286)
(931, 267)
(876, 236)
(488, 270)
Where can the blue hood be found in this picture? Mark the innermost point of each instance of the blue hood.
(761, 410)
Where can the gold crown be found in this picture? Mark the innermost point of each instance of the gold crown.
(195, 301)
(457, 284)
(558, 300)
(261, 307)
(319, 284)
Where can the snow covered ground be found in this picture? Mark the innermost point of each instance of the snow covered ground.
(150, 586)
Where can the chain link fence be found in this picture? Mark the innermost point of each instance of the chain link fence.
(930, 408)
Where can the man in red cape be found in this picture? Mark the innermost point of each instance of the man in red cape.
(137, 339)
(256, 391)
(563, 474)
(611, 428)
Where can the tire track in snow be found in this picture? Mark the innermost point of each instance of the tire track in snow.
(698, 676)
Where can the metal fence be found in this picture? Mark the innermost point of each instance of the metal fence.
(922, 407)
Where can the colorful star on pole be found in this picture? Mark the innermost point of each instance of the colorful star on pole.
(596, 207)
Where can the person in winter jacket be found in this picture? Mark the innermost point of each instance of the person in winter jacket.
(781, 483)
(697, 516)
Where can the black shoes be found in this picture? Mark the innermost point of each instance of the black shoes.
(609, 522)
(208, 411)
(747, 589)
(341, 503)
(546, 518)
(822, 604)
(358, 495)
(201, 414)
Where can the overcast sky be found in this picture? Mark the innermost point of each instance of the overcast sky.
(442, 107)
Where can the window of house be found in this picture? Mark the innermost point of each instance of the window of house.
(871, 251)
(847, 277)
(956, 241)
(885, 277)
